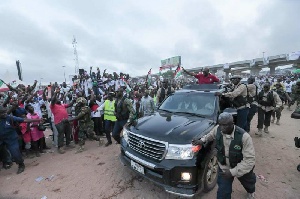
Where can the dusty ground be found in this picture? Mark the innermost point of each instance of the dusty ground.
(98, 173)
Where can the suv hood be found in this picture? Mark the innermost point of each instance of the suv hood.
(173, 128)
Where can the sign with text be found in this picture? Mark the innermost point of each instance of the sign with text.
(171, 62)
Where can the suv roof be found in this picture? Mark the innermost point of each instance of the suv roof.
(203, 87)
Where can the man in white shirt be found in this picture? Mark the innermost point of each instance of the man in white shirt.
(147, 105)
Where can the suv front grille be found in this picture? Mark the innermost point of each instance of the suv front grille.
(146, 146)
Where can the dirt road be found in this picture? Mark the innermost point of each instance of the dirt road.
(98, 173)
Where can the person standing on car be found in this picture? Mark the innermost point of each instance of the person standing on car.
(124, 112)
(238, 97)
(203, 78)
(267, 102)
(235, 154)
(164, 91)
(252, 99)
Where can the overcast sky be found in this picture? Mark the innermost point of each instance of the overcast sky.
(132, 36)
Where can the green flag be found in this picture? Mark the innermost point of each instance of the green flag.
(1, 82)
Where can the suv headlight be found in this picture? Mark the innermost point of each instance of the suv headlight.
(180, 152)
(126, 134)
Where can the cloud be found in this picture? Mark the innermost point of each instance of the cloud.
(133, 36)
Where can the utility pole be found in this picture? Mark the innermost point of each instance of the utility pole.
(41, 82)
(76, 55)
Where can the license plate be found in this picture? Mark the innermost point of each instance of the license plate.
(137, 167)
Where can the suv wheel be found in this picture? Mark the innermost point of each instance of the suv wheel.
(210, 174)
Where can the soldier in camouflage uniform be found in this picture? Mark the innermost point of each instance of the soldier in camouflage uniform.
(284, 97)
(296, 99)
(86, 124)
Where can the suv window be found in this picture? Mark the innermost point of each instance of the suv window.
(194, 103)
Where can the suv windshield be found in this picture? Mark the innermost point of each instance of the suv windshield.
(193, 103)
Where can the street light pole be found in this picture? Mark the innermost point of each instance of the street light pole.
(64, 74)
(41, 82)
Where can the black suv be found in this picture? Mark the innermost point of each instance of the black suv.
(159, 147)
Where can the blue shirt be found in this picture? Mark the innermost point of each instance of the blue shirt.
(7, 128)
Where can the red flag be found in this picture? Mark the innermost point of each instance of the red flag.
(177, 70)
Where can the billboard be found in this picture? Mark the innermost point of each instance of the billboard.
(171, 62)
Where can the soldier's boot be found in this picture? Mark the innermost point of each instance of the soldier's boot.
(277, 122)
(21, 168)
(273, 119)
(80, 149)
(60, 150)
(95, 137)
(259, 132)
(7, 165)
(266, 130)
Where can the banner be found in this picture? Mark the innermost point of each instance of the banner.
(171, 62)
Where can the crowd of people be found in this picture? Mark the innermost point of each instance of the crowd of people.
(97, 107)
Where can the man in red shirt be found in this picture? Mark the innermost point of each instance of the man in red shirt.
(205, 77)
(61, 121)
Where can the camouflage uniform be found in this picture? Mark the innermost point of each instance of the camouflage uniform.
(85, 123)
(296, 96)
(277, 111)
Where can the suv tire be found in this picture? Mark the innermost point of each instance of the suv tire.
(210, 173)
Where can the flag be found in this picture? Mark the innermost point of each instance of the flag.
(13, 83)
(178, 72)
(128, 89)
(1, 83)
(148, 77)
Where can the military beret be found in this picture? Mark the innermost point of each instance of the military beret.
(81, 100)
